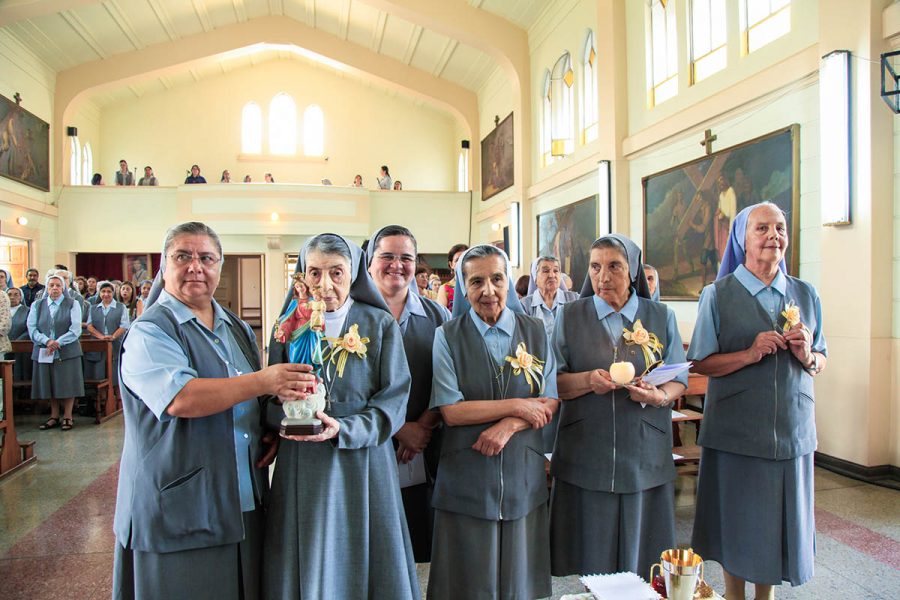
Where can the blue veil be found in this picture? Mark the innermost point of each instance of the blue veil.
(461, 302)
(735, 247)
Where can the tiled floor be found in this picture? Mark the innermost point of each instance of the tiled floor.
(56, 525)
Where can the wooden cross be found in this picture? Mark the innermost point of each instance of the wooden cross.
(708, 139)
(18, 98)
(496, 120)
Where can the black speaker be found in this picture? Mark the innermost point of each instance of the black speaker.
(71, 131)
(465, 144)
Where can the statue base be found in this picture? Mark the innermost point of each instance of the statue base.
(301, 427)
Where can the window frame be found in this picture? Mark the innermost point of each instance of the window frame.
(590, 113)
(713, 53)
(282, 138)
(661, 90)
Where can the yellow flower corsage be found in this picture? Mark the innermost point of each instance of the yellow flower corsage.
(647, 340)
(530, 365)
(791, 314)
(342, 347)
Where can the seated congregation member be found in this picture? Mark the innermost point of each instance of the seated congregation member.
(106, 320)
(18, 330)
(336, 527)
(195, 176)
(189, 517)
(128, 297)
(495, 387)
(149, 179)
(32, 286)
(81, 285)
(447, 290)
(613, 505)
(652, 276)
(522, 286)
(54, 325)
(123, 175)
(91, 295)
(142, 298)
(392, 255)
(759, 339)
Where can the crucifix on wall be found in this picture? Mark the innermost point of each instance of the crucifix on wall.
(708, 139)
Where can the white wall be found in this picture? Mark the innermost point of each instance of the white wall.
(365, 127)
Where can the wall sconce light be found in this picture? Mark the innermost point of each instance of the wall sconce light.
(834, 137)
(495, 226)
(22, 221)
(274, 216)
(515, 231)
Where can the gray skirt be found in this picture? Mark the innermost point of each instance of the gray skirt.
(479, 559)
(228, 572)
(95, 366)
(602, 532)
(59, 379)
(755, 516)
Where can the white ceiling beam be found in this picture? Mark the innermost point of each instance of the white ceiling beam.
(13, 11)
(276, 7)
(163, 17)
(202, 15)
(166, 82)
(444, 58)
(412, 44)
(240, 11)
(29, 31)
(311, 13)
(194, 74)
(118, 15)
(344, 17)
(378, 31)
(79, 27)
(135, 91)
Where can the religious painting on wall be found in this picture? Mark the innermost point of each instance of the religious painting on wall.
(24, 146)
(497, 159)
(688, 209)
(567, 233)
(136, 268)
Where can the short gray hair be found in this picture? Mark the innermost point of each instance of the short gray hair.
(193, 228)
(546, 258)
(482, 251)
(328, 243)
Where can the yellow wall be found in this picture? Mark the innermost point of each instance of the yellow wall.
(201, 123)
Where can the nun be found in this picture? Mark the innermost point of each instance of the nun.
(336, 526)
(392, 255)
(193, 478)
(107, 320)
(613, 505)
(652, 276)
(495, 387)
(54, 325)
(759, 339)
(18, 330)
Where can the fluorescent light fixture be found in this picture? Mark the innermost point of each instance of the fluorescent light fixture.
(604, 191)
(515, 230)
(834, 137)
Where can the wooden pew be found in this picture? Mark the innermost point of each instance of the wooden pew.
(106, 404)
(14, 455)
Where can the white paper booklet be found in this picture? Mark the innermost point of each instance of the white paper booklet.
(665, 373)
(413, 472)
(46, 356)
(619, 586)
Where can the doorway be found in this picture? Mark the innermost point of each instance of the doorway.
(241, 289)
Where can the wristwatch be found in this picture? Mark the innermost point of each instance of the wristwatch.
(665, 397)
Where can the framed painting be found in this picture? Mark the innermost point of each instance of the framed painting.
(24, 146)
(497, 159)
(567, 233)
(136, 268)
(688, 209)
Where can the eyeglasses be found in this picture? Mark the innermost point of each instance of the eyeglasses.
(405, 259)
(183, 258)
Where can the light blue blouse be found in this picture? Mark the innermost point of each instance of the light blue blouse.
(498, 340)
(158, 369)
(705, 341)
(614, 323)
(547, 315)
(71, 335)
(123, 322)
(414, 306)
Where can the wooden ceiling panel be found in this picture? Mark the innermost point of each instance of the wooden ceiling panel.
(182, 16)
(428, 51)
(397, 33)
(522, 13)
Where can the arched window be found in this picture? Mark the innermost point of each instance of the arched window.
(545, 121)
(663, 46)
(589, 106)
(74, 161)
(87, 164)
(562, 80)
(313, 131)
(462, 172)
(708, 36)
(764, 21)
(282, 125)
(251, 129)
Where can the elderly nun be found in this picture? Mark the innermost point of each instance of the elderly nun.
(495, 386)
(192, 481)
(18, 330)
(54, 325)
(391, 257)
(336, 526)
(759, 339)
(613, 503)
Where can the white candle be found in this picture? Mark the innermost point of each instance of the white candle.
(621, 372)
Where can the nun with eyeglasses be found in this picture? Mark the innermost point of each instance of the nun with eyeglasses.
(759, 339)
(613, 502)
(495, 387)
(336, 526)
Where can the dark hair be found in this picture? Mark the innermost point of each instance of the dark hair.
(271, 179)
(106, 284)
(423, 269)
(546, 258)
(522, 285)
(328, 243)
(608, 242)
(61, 267)
(134, 294)
(149, 167)
(482, 251)
(192, 228)
(192, 167)
(392, 230)
(456, 248)
(122, 160)
(30, 269)
(385, 169)
(96, 179)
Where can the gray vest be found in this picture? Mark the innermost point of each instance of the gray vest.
(503, 487)
(108, 324)
(57, 327)
(608, 442)
(765, 409)
(18, 329)
(178, 486)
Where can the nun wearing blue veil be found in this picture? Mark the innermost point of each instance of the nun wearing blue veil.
(759, 338)
(495, 386)
(336, 526)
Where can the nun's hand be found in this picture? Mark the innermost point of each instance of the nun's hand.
(646, 393)
(800, 340)
(535, 411)
(601, 383)
(766, 343)
(493, 439)
(288, 381)
(332, 427)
